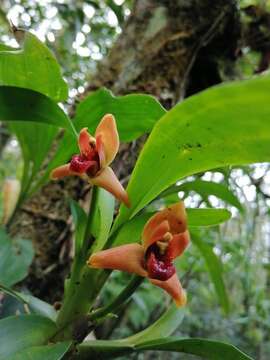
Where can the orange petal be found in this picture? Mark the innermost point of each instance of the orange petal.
(107, 130)
(108, 181)
(157, 234)
(174, 288)
(84, 141)
(176, 216)
(178, 244)
(62, 171)
(129, 258)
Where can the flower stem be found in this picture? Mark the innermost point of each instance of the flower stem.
(80, 289)
(124, 295)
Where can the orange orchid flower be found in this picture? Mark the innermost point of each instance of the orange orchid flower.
(96, 154)
(164, 237)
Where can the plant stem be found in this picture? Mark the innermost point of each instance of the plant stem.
(124, 295)
(80, 290)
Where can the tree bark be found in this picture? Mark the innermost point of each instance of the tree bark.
(161, 44)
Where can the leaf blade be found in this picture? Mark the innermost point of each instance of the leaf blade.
(20, 332)
(33, 67)
(215, 269)
(17, 104)
(209, 349)
(207, 217)
(224, 125)
(47, 352)
(15, 259)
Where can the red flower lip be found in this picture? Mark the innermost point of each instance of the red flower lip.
(165, 237)
(96, 154)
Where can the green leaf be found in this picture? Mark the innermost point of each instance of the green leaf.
(80, 221)
(34, 305)
(102, 218)
(214, 266)
(207, 349)
(18, 104)
(224, 125)
(32, 67)
(206, 188)
(131, 231)
(15, 258)
(135, 114)
(47, 352)
(21, 332)
(207, 217)
(163, 327)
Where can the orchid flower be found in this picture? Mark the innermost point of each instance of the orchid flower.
(164, 237)
(96, 154)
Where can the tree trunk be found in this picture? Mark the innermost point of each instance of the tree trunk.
(158, 53)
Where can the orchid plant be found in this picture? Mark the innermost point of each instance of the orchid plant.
(222, 126)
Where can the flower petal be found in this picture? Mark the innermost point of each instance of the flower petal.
(62, 171)
(107, 130)
(108, 181)
(101, 151)
(127, 258)
(178, 244)
(157, 234)
(84, 141)
(176, 216)
(174, 288)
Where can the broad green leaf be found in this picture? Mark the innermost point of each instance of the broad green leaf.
(34, 305)
(206, 188)
(102, 218)
(34, 119)
(18, 104)
(15, 258)
(206, 349)
(132, 230)
(80, 222)
(207, 217)
(46, 352)
(224, 125)
(214, 266)
(32, 67)
(21, 332)
(135, 114)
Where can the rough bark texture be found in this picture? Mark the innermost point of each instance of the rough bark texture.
(158, 52)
